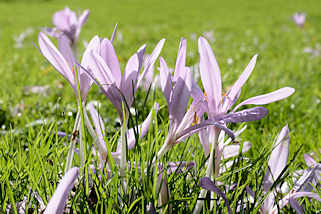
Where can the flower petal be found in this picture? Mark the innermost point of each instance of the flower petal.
(181, 60)
(61, 19)
(56, 59)
(151, 60)
(113, 34)
(278, 158)
(234, 91)
(274, 96)
(58, 200)
(203, 136)
(129, 79)
(178, 101)
(81, 21)
(246, 115)
(165, 80)
(107, 52)
(83, 18)
(65, 49)
(100, 69)
(210, 75)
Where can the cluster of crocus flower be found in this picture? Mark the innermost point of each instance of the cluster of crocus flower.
(208, 115)
(68, 24)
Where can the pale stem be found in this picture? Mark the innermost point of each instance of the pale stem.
(72, 142)
(100, 148)
(123, 158)
(81, 150)
(209, 172)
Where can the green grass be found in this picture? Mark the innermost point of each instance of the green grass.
(34, 159)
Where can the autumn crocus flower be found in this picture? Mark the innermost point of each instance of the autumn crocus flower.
(177, 90)
(64, 62)
(299, 19)
(66, 22)
(104, 69)
(217, 105)
(276, 164)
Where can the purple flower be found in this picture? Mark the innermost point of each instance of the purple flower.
(217, 105)
(104, 69)
(67, 22)
(299, 19)
(64, 62)
(276, 164)
(177, 90)
(59, 198)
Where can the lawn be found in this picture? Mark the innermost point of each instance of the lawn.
(32, 156)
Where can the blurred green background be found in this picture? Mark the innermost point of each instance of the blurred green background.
(238, 30)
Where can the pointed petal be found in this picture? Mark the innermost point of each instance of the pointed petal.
(114, 34)
(83, 18)
(178, 101)
(234, 91)
(181, 60)
(246, 115)
(165, 80)
(110, 90)
(210, 75)
(59, 198)
(274, 96)
(278, 158)
(197, 93)
(85, 80)
(94, 45)
(56, 59)
(203, 136)
(129, 80)
(107, 52)
(207, 184)
(100, 70)
(81, 21)
(151, 60)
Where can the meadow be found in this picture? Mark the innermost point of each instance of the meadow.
(33, 156)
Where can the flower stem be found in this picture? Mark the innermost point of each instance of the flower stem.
(209, 170)
(72, 142)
